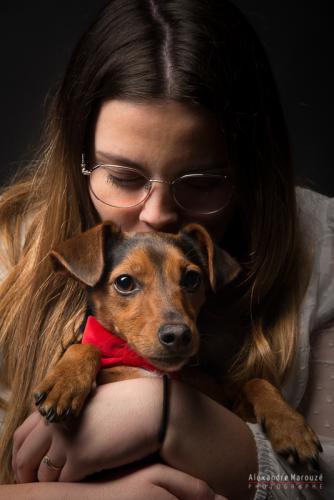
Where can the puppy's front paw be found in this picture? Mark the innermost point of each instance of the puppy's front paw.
(65, 388)
(292, 437)
(287, 429)
(60, 395)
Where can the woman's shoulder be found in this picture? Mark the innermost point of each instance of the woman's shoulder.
(316, 216)
(315, 212)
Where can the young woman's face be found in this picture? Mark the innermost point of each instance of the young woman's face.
(162, 140)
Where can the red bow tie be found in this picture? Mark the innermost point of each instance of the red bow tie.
(114, 350)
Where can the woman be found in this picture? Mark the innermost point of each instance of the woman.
(162, 89)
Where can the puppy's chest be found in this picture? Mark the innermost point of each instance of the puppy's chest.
(222, 336)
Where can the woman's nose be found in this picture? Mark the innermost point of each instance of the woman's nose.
(159, 210)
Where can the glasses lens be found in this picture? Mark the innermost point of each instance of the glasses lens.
(119, 186)
(202, 193)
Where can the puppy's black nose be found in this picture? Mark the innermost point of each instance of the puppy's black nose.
(174, 336)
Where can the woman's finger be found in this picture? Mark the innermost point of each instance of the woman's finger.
(156, 481)
(181, 485)
(21, 433)
(52, 463)
(25, 428)
(30, 453)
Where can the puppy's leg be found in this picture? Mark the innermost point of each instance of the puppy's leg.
(286, 429)
(66, 386)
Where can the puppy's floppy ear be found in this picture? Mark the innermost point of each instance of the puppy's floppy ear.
(83, 256)
(222, 268)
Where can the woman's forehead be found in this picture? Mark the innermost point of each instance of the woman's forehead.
(160, 133)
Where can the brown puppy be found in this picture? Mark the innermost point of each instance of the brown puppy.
(148, 289)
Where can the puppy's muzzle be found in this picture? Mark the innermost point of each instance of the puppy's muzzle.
(175, 337)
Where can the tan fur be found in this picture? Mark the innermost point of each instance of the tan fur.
(161, 293)
(70, 381)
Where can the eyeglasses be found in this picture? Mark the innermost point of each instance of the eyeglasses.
(125, 187)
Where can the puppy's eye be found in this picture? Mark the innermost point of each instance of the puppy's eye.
(124, 284)
(191, 280)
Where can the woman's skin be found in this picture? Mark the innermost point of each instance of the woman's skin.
(120, 422)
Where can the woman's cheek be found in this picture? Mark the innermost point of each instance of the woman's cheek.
(127, 219)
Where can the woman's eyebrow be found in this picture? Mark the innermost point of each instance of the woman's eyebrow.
(118, 160)
(110, 158)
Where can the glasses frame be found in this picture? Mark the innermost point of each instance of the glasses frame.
(88, 171)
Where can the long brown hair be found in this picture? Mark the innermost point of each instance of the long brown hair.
(197, 51)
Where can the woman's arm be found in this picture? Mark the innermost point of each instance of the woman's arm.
(120, 424)
(154, 481)
(208, 441)
(51, 491)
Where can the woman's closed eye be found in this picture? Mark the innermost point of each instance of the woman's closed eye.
(119, 181)
(125, 179)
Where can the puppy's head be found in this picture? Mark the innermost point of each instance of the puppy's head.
(148, 287)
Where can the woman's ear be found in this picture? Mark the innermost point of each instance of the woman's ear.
(222, 268)
(83, 256)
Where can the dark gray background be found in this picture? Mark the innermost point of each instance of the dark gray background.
(37, 39)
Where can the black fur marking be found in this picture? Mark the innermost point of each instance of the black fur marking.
(192, 251)
(116, 252)
(110, 241)
(116, 247)
(157, 256)
(154, 247)
(172, 316)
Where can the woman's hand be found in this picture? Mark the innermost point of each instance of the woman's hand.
(158, 481)
(118, 426)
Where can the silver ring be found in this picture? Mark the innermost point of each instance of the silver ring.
(50, 465)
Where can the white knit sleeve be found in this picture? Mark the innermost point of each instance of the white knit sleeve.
(316, 214)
